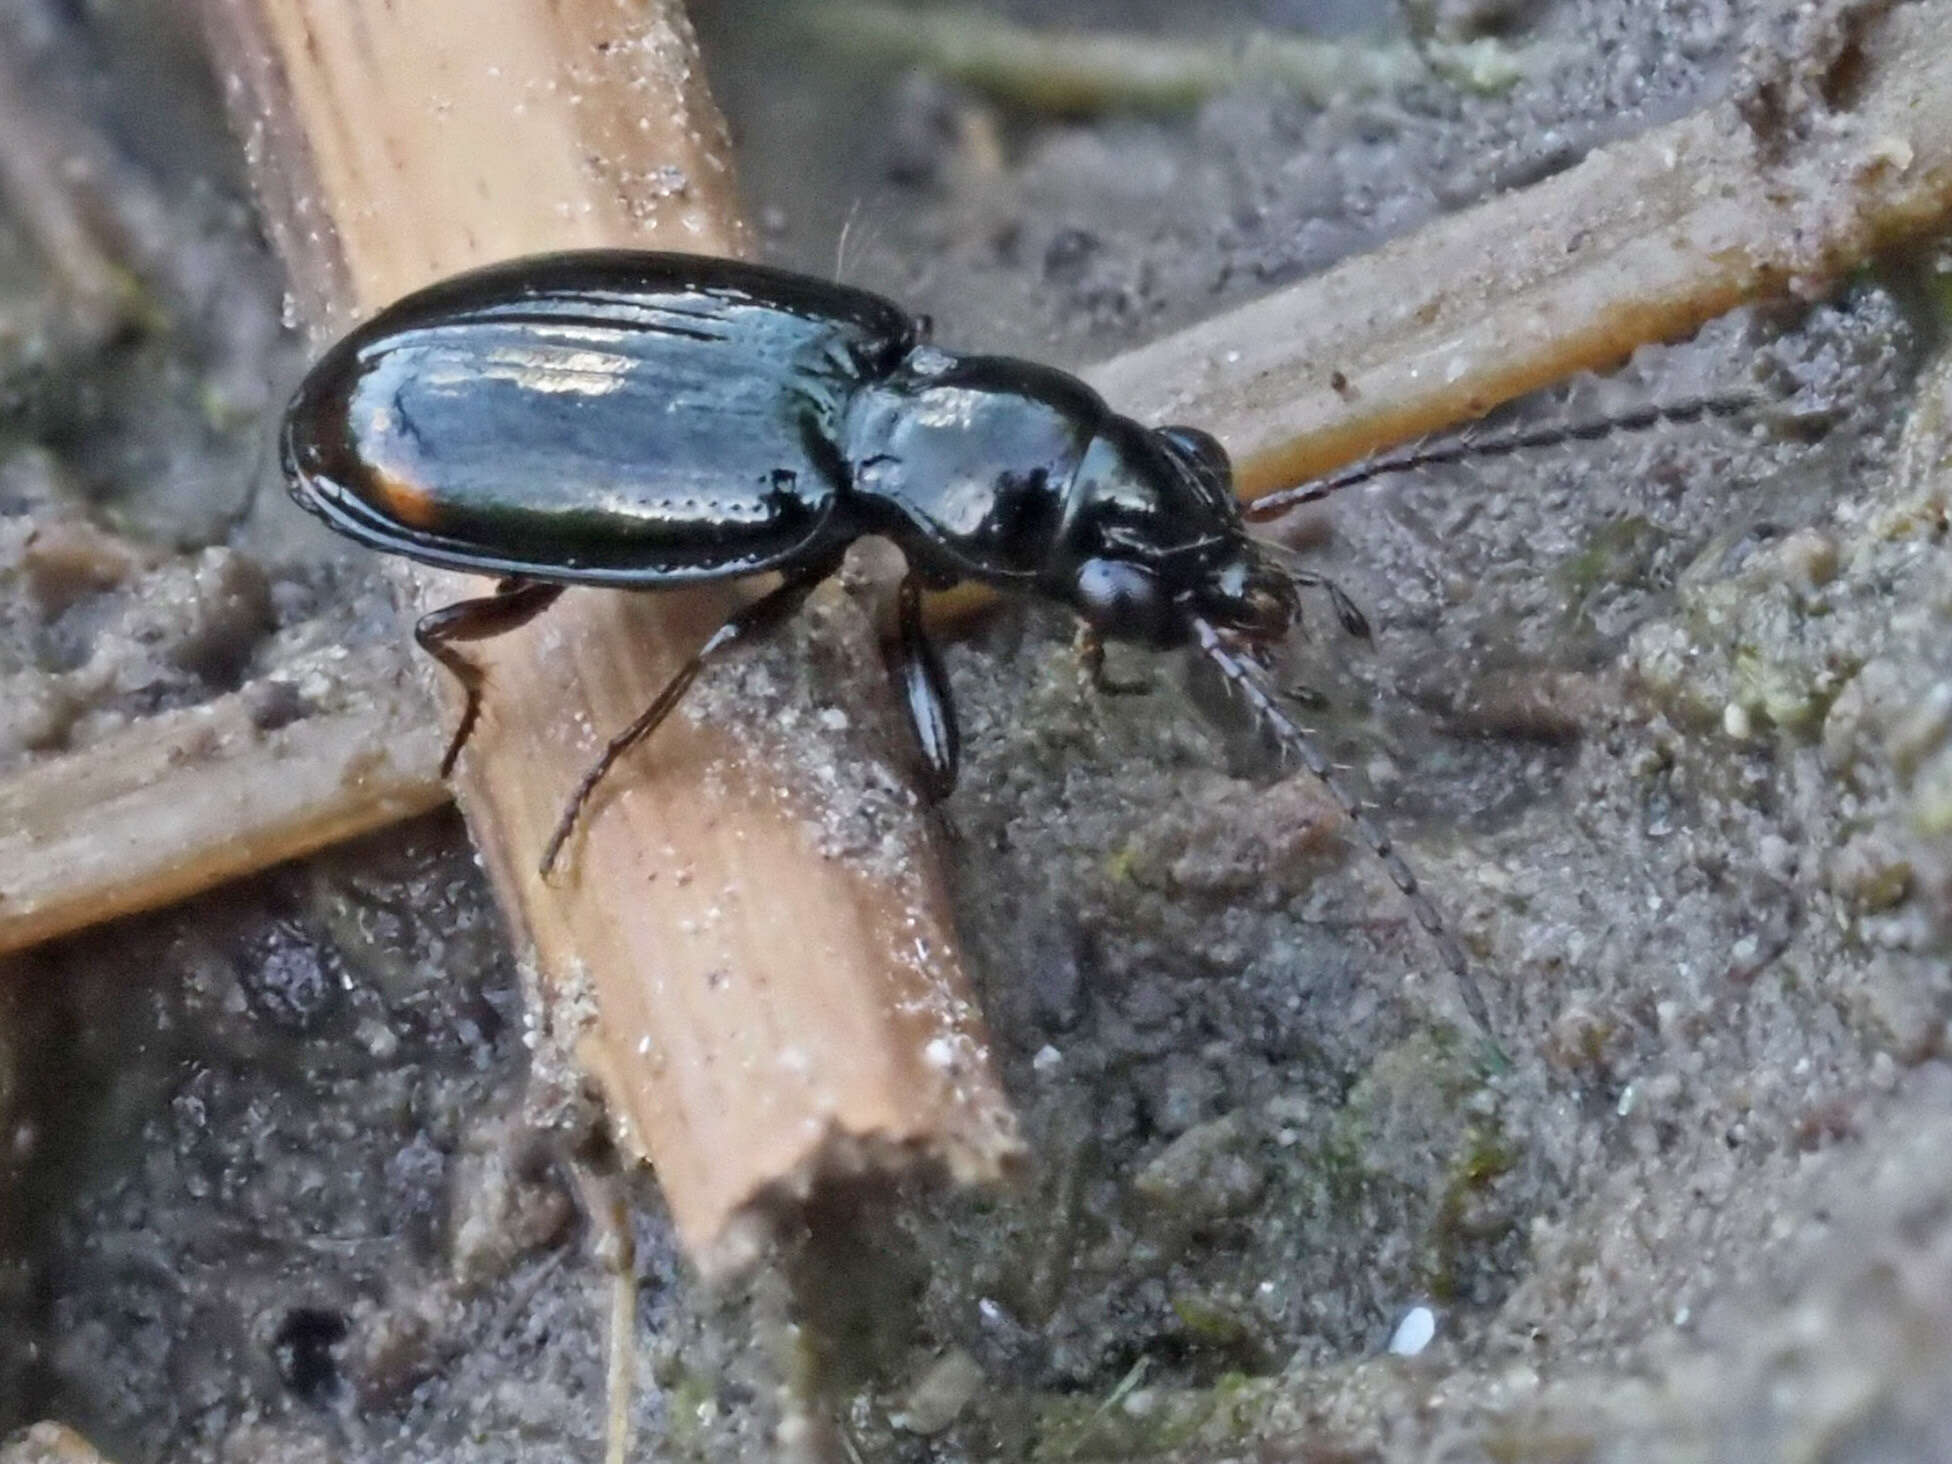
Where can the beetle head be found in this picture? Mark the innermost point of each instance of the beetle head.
(1156, 538)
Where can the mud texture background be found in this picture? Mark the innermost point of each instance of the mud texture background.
(1665, 722)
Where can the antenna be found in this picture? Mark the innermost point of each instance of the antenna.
(1240, 675)
(1469, 444)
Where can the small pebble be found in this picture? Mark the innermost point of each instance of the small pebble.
(1210, 1171)
(940, 1395)
(1808, 558)
(1414, 1333)
(1922, 728)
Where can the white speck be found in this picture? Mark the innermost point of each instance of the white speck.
(644, 1046)
(1414, 1333)
(1047, 1059)
(1681, 1316)
(1628, 1096)
(379, 1039)
(940, 1053)
(833, 719)
(1894, 151)
(1735, 721)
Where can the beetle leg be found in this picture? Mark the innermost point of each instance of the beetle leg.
(1090, 648)
(515, 603)
(762, 616)
(923, 687)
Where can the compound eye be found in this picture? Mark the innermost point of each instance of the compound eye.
(1122, 600)
(1202, 455)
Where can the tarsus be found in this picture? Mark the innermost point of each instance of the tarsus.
(1469, 445)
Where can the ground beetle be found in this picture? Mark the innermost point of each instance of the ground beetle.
(641, 421)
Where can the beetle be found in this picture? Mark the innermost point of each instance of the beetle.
(644, 420)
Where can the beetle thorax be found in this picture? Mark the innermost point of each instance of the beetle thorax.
(967, 462)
